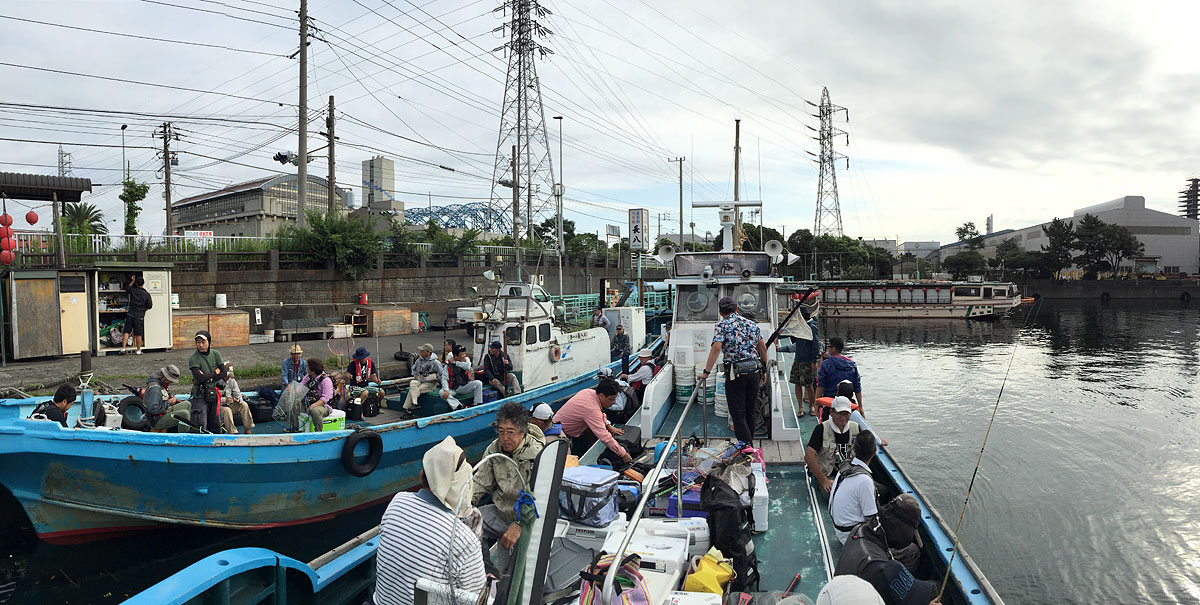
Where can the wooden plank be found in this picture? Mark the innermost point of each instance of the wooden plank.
(791, 452)
(36, 318)
(184, 327)
(229, 329)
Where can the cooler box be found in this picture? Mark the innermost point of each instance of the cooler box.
(588, 495)
(695, 528)
(762, 498)
(666, 554)
(490, 395)
(591, 537)
(335, 421)
(691, 505)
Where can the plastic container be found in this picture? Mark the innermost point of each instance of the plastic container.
(221, 301)
(342, 330)
(335, 421)
(270, 335)
(175, 301)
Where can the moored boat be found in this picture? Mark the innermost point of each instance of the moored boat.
(906, 299)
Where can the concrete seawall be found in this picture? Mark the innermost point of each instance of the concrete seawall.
(1182, 290)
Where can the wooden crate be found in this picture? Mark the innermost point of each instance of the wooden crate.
(392, 321)
(184, 325)
(228, 328)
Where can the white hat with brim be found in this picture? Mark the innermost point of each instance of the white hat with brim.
(848, 590)
(543, 411)
(645, 353)
(445, 476)
(842, 404)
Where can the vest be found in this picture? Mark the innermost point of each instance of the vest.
(458, 376)
(831, 452)
(312, 396)
(362, 371)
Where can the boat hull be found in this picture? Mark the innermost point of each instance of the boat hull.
(81, 485)
(923, 311)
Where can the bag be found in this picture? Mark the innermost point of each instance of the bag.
(712, 574)
(631, 441)
(260, 409)
(741, 368)
(729, 525)
(210, 394)
(588, 496)
(593, 582)
(354, 411)
(370, 404)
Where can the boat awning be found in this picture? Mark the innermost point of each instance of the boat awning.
(42, 187)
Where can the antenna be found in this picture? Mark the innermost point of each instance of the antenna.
(728, 212)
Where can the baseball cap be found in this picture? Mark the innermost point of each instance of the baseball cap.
(842, 404)
(495, 345)
(543, 411)
(849, 590)
(426, 347)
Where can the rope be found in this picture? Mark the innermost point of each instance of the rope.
(525, 499)
(975, 473)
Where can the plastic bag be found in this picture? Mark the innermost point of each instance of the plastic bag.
(292, 401)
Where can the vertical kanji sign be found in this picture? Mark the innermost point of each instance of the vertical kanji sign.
(639, 218)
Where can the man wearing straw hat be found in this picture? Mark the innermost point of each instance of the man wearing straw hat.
(421, 535)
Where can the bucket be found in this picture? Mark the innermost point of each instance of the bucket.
(362, 298)
(270, 334)
(221, 301)
(175, 301)
(342, 330)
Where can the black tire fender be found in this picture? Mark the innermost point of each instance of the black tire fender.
(374, 452)
(99, 417)
(139, 422)
(1104, 297)
(1185, 298)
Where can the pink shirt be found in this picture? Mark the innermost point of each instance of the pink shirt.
(582, 412)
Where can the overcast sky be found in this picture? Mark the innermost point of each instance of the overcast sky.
(957, 110)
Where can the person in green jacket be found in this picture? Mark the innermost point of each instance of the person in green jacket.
(521, 442)
(208, 367)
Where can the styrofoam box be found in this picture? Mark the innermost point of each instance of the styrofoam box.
(592, 537)
(659, 553)
(762, 498)
(660, 584)
(693, 598)
(695, 529)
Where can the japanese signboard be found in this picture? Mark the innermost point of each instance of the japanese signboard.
(639, 221)
(613, 230)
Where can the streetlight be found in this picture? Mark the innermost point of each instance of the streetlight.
(124, 166)
(558, 193)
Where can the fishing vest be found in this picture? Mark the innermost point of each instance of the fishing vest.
(362, 371)
(458, 376)
(833, 453)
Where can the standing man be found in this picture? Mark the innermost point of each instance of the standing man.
(739, 341)
(458, 369)
(598, 319)
(497, 369)
(135, 316)
(293, 369)
(804, 366)
(837, 368)
(208, 368)
(56, 409)
(428, 374)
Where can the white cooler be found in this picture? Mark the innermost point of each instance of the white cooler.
(762, 498)
(588, 536)
(695, 529)
(668, 554)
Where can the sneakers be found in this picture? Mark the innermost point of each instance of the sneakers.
(406, 415)
(137, 352)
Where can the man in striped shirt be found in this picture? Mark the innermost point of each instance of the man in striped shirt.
(421, 536)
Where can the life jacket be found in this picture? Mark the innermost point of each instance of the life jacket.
(639, 385)
(827, 402)
(362, 371)
(313, 386)
(458, 376)
(832, 452)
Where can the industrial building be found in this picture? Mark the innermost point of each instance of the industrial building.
(253, 208)
(379, 186)
(919, 249)
(1172, 243)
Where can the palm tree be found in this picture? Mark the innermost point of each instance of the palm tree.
(83, 218)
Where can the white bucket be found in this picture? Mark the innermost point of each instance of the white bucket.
(342, 330)
(270, 334)
(221, 301)
(175, 301)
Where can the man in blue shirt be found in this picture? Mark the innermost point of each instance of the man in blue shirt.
(293, 369)
(837, 368)
(740, 344)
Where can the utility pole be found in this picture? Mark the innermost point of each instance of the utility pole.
(737, 162)
(558, 193)
(167, 132)
(680, 161)
(302, 151)
(64, 162)
(332, 179)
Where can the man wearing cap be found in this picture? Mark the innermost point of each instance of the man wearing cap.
(829, 444)
(293, 369)
(428, 375)
(866, 556)
(598, 319)
(620, 342)
(852, 497)
(497, 370)
(520, 442)
(739, 341)
(362, 373)
(163, 410)
(543, 418)
(421, 536)
(458, 370)
(208, 367)
(582, 419)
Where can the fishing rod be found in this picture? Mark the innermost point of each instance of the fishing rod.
(1037, 306)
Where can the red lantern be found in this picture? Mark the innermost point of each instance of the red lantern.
(8, 243)
(31, 217)
(5, 232)
(7, 257)
(5, 219)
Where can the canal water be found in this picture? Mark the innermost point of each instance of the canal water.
(1087, 491)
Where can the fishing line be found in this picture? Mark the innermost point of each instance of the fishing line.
(1037, 306)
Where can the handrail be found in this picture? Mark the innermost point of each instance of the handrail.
(651, 479)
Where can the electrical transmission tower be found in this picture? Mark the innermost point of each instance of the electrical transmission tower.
(1189, 199)
(523, 122)
(829, 213)
(64, 162)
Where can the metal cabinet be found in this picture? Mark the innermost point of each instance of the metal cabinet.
(49, 313)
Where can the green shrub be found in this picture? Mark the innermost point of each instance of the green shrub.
(352, 244)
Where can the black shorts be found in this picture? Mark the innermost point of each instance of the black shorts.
(135, 326)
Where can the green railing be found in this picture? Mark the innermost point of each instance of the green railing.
(576, 305)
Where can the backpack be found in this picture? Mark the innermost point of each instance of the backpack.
(593, 582)
(370, 405)
(729, 525)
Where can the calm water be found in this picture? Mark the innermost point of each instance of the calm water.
(1086, 494)
(1089, 485)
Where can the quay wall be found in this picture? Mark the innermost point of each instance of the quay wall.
(1183, 290)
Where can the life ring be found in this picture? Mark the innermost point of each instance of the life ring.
(374, 452)
(827, 402)
(133, 414)
(555, 353)
(1185, 298)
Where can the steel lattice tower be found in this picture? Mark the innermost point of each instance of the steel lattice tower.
(1189, 199)
(829, 212)
(523, 121)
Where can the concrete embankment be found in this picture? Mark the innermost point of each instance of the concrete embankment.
(1182, 290)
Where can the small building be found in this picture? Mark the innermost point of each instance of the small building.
(253, 208)
(379, 187)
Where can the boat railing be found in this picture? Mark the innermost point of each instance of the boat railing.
(676, 436)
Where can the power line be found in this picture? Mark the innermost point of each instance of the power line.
(205, 10)
(135, 36)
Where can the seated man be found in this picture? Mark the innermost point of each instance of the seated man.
(362, 373)
(448, 349)
(162, 409)
(316, 403)
(852, 497)
(846, 389)
(458, 368)
(421, 535)
(865, 555)
(234, 404)
(503, 481)
(582, 418)
(56, 408)
(497, 370)
(620, 343)
(293, 369)
(543, 418)
(901, 517)
(829, 444)
(428, 375)
(627, 399)
(644, 372)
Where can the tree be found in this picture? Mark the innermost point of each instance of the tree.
(1006, 250)
(352, 244)
(800, 242)
(755, 237)
(1061, 234)
(547, 232)
(964, 264)
(132, 192)
(1119, 244)
(1036, 264)
(969, 236)
(1090, 241)
(83, 218)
